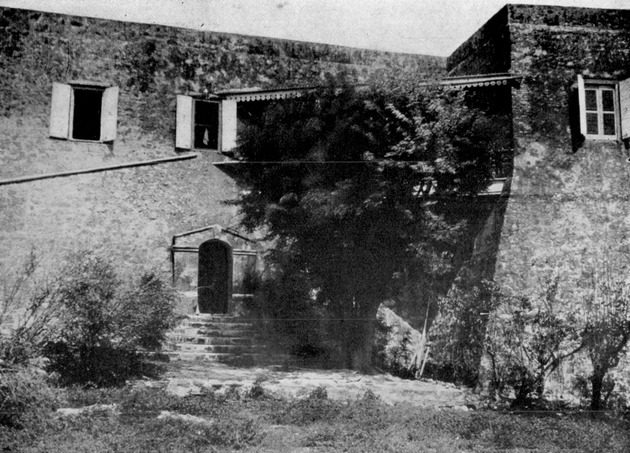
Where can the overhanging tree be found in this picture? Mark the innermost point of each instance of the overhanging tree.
(357, 186)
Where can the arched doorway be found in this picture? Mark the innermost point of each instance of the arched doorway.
(214, 281)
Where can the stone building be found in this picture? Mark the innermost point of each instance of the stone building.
(567, 216)
(112, 136)
(569, 182)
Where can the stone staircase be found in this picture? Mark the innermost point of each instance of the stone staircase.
(220, 338)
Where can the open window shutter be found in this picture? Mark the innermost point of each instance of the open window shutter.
(184, 126)
(109, 114)
(228, 125)
(624, 107)
(60, 110)
(582, 102)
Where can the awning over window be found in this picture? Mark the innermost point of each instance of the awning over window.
(459, 82)
(260, 94)
(482, 80)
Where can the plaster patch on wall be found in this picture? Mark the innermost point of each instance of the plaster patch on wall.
(531, 156)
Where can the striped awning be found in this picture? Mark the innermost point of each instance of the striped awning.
(459, 82)
(260, 94)
(482, 80)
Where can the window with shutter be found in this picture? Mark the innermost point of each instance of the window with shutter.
(205, 124)
(599, 109)
(84, 111)
(624, 108)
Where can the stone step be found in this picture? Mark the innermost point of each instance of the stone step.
(210, 357)
(202, 332)
(225, 319)
(222, 349)
(200, 356)
(194, 339)
(217, 324)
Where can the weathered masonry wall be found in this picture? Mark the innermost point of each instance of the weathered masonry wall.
(131, 214)
(485, 52)
(569, 195)
(568, 209)
(568, 199)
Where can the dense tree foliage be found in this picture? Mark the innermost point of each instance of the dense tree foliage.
(356, 186)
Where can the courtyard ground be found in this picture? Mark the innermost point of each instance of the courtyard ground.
(199, 407)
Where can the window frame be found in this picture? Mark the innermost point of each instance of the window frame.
(185, 122)
(73, 107)
(599, 85)
(194, 122)
(62, 111)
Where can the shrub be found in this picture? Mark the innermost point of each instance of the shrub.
(25, 397)
(316, 407)
(104, 322)
(458, 335)
(257, 390)
(26, 313)
(528, 337)
(615, 391)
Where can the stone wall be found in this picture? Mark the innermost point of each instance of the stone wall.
(569, 197)
(131, 214)
(485, 52)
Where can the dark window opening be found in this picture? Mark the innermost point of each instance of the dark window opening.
(206, 125)
(86, 123)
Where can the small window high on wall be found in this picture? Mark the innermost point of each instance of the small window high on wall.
(604, 108)
(84, 111)
(86, 115)
(205, 124)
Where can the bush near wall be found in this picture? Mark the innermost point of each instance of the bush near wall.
(88, 321)
(105, 322)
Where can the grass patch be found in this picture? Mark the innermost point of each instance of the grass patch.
(257, 422)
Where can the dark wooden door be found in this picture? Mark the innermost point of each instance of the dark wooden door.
(214, 284)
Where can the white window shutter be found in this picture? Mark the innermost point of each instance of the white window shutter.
(109, 114)
(60, 110)
(228, 125)
(184, 126)
(582, 102)
(624, 108)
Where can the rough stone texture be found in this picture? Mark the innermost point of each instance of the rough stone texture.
(569, 198)
(186, 378)
(566, 204)
(132, 214)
